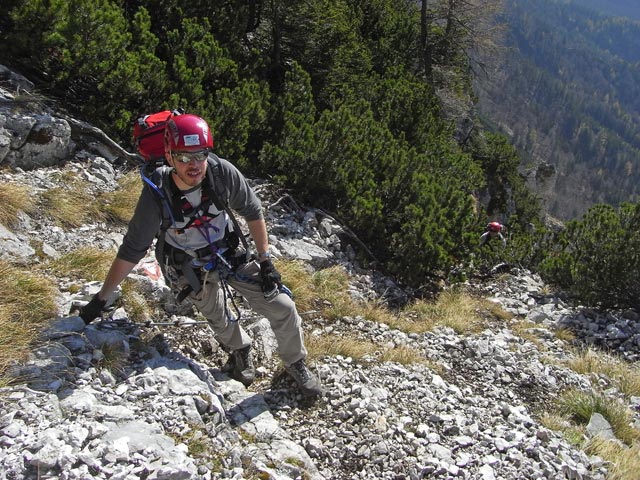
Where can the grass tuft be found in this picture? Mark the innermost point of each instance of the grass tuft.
(84, 263)
(571, 419)
(71, 206)
(27, 302)
(565, 334)
(200, 445)
(575, 434)
(327, 291)
(135, 302)
(453, 309)
(526, 330)
(624, 461)
(114, 359)
(119, 205)
(406, 356)
(336, 345)
(14, 198)
(580, 406)
(298, 279)
(625, 376)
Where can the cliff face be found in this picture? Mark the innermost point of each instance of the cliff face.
(542, 179)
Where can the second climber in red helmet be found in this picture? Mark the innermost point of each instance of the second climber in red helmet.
(493, 230)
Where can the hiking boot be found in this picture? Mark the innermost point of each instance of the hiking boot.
(240, 367)
(309, 383)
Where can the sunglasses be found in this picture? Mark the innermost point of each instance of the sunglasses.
(186, 157)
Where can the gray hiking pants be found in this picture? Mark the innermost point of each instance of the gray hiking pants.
(280, 311)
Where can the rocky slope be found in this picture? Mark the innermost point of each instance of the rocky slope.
(123, 401)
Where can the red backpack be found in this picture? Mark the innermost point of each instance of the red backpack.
(148, 136)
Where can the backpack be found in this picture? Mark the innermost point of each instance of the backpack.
(148, 136)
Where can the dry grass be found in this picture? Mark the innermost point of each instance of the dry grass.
(565, 335)
(330, 288)
(575, 434)
(14, 198)
(27, 302)
(72, 205)
(298, 279)
(624, 461)
(579, 406)
(199, 445)
(526, 329)
(372, 311)
(407, 356)
(453, 309)
(114, 359)
(336, 345)
(357, 349)
(327, 291)
(120, 204)
(135, 302)
(625, 376)
(575, 410)
(85, 263)
(495, 310)
(531, 331)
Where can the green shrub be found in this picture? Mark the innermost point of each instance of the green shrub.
(597, 259)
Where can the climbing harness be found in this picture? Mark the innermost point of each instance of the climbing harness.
(220, 255)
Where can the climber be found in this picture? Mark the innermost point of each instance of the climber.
(199, 241)
(493, 230)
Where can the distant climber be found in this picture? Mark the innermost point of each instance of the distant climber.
(494, 230)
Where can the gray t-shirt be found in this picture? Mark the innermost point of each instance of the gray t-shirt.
(147, 218)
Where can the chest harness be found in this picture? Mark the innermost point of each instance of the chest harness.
(223, 255)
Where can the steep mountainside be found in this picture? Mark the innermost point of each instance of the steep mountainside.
(620, 8)
(128, 398)
(125, 399)
(566, 92)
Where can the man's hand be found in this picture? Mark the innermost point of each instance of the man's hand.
(270, 277)
(92, 309)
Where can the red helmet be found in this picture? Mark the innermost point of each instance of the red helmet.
(187, 133)
(494, 227)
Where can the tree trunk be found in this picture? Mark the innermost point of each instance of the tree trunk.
(425, 48)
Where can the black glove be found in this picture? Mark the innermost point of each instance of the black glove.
(92, 309)
(270, 277)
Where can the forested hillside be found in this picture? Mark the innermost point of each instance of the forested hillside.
(615, 8)
(567, 91)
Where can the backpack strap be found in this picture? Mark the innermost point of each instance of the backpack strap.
(214, 175)
(158, 182)
(214, 183)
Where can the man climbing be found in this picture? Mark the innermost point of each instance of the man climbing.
(493, 230)
(200, 252)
